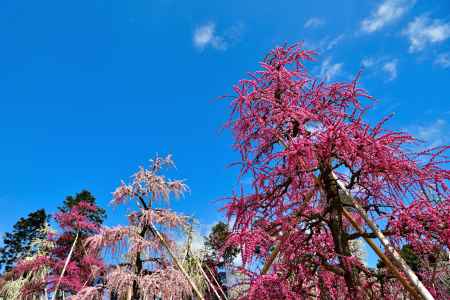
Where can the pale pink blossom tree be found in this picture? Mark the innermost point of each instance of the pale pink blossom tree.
(146, 267)
(311, 156)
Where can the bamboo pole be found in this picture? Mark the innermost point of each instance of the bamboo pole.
(398, 260)
(199, 266)
(214, 278)
(383, 256)
(130, 293)
(197, 263)
(65, 266)
(178, 264)
(274, 255)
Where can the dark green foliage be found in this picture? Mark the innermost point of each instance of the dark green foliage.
(18, 243)
(96, 217)
(215, 243)
(218, 255)
(409, 256)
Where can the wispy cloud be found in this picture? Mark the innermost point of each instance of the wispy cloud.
(206, 36)
(434, 134)
(443, 60)
(386, 13)
(390, 68)
(326, 43)
(368, 62)
(329, 70)
(314, 23)
(335, 41)
(387, 65)
(424, 31)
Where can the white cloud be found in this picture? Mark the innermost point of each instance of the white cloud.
(203, 35)
(390, 68)
(434, 134)
(329, 70)
(443, 60)
(326, 43)
(379, 65)
(335, 41)
(368, 62)
(386, 13)
(314, 23)
(206, 36)
(424, 31)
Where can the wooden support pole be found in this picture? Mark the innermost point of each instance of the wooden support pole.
(398, 260)
(383, 257)
(214, 278)
(274, 255)
(177, 263)
(199, 266)
(65, 266)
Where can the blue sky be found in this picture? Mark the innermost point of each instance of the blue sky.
(92, 89)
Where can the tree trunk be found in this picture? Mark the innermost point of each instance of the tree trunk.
(335, 222)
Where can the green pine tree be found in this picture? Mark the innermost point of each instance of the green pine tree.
(18, 243)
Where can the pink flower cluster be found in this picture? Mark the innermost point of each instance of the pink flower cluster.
(77, 218)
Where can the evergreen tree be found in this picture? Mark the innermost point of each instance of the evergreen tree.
(219, 256)
(215, 243)
(409, 256)
(18, 243)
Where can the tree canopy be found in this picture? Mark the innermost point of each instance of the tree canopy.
(317, 169)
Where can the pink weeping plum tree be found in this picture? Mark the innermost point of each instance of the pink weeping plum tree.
(298, 136)
(145, 268)
(44, 272)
